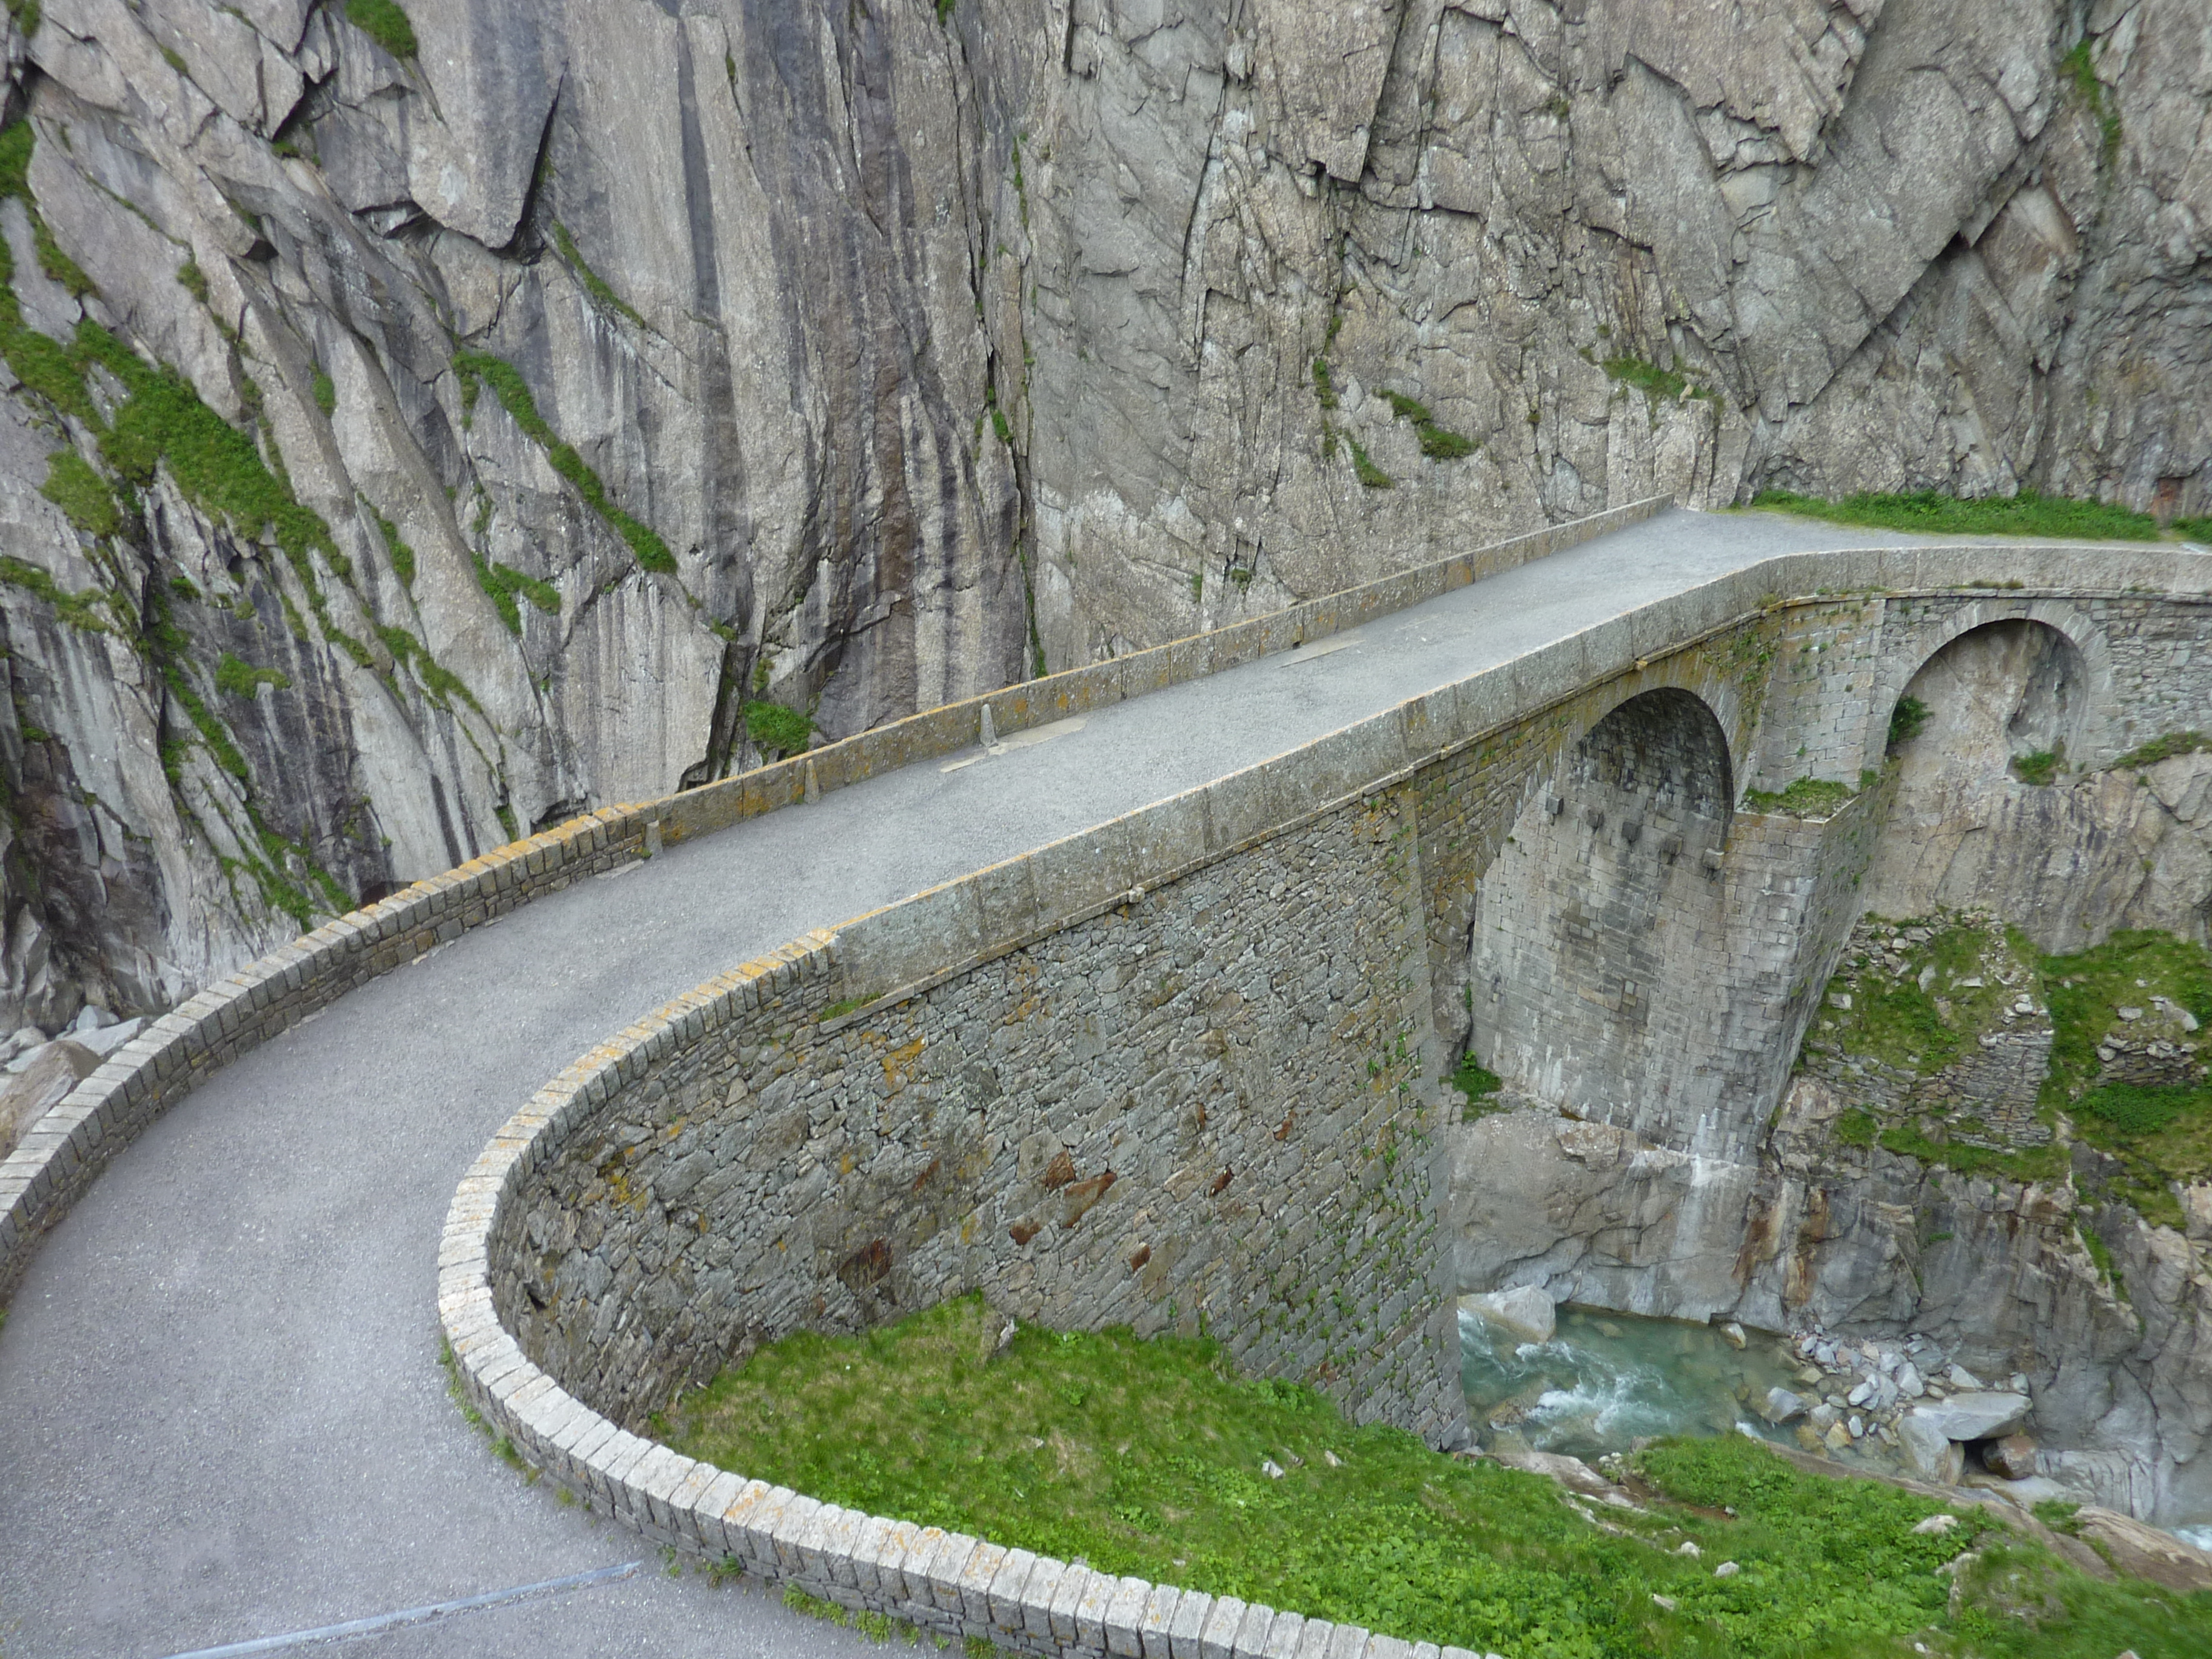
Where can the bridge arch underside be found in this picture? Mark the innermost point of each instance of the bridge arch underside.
(1986, 811)
(1590, 925)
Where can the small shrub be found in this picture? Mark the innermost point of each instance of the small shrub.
(1855, 1128)
(1666, 385)
(1324, 383)
(777, 729)
(2042, 767)
(383, 22)
(1907, 720)
(326, 393)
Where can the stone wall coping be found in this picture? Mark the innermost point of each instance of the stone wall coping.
(959, 1584)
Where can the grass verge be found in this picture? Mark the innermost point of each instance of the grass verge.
(1930, 514)
(1153, 1458)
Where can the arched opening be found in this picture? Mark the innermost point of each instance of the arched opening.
(1583, 977)
(1985, 742)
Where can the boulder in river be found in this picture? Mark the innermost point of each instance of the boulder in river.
(1931, 1454)
(1524, 1311)
(1973, 1414)
(2013, 1456)
(1782, 1406)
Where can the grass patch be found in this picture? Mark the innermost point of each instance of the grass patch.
(1324, 383)
(1477, 1082)
(478, 368)
(1436, 443)
(1895, 1020)
(505, 585)
(2195, 530)
(2081, 68)
(2158, 1134)
(776, 729)
(81, 494)
(1371, 475)
(1805, 798)
(81, 610)
(239, 678)
(1146, 1458)
(1931, 513)
(383, 22)
(402, 556)
(2163, 748)
(594, 284)
(1664, 385)
(326, 393)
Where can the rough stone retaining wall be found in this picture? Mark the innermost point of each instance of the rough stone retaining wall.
(67, 1147)
(1196, 1110)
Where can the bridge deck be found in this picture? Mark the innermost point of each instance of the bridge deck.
(220, 1412)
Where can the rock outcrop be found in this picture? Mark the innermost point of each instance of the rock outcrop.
(420, 429)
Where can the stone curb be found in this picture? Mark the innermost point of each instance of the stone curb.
(58, 1156)
(950, 1582)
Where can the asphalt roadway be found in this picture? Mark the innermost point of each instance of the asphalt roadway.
(222, 1413)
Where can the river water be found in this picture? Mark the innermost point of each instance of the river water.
(1606, 1380)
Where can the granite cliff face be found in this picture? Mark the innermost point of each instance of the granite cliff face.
(404, 447)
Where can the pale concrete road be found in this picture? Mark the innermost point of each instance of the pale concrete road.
(222, 1415)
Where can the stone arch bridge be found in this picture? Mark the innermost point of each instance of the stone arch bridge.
(1179, 1067)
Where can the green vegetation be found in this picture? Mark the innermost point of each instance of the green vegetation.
(2163, 748)
(1324, 383)
(1477, 1082)
(1436, 443)
(1147, 1458)
(81, 610)
(1371, 475)
(81, 494)
(402, 556)
(1805, 798)
(503, 582)
(2158, 1134)
(2080, 68)
(1894, 1019)
(382, 21)
(27, 15)
(1908, 719)
(1933, 514)
(777, 730)
(1855, 1128)
(326, 393)
(594, 284)
(2042, 767)
(1664, 385)
(478, 368)
(242, 679)
(2195, 530)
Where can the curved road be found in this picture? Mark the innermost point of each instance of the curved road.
(221, 1414)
